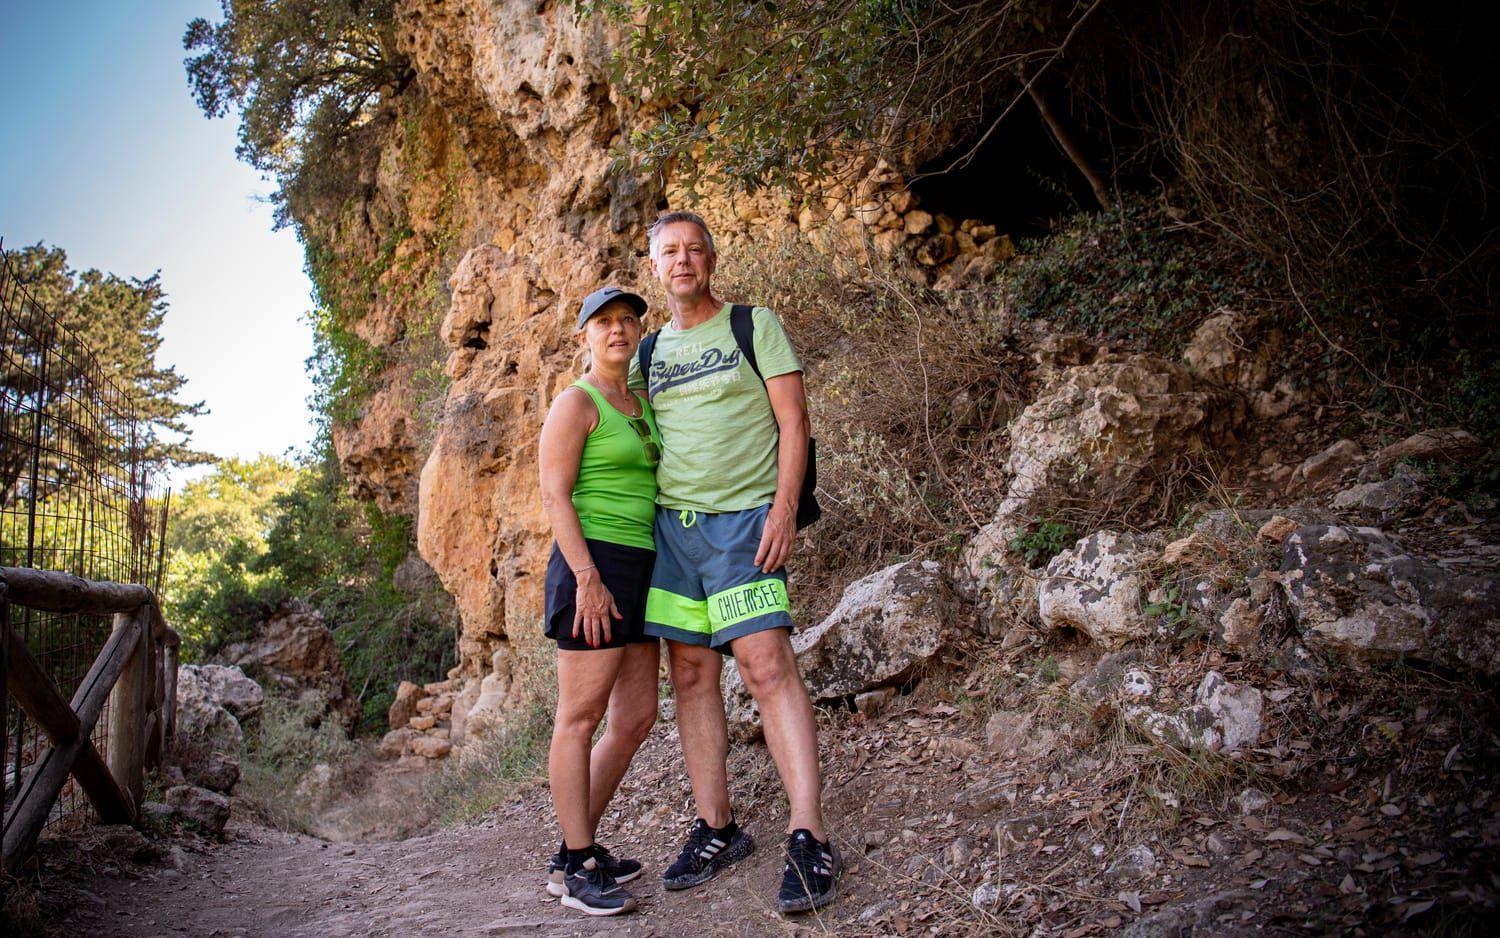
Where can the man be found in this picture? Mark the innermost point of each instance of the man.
(734, 453)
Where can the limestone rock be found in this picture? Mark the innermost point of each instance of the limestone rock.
(1096, 588)
(201, 719)
(1219, 352)
(393, 744)
(429, 747)
(219, 772)
(295, 651)
(1325, 466)
(1447, 444)
(1276, 530)
(1224, 717)
(1136, 863)
(1402, 494)
(886, 626)
(1240, 623)
(209, 810)
(404, 706)
(1091, 435)
(1006, 729)
(230, 689)
(872, 702)
(1357, 592)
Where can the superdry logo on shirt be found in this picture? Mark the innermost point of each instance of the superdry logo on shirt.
(712, 362)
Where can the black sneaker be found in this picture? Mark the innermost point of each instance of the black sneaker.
(622, 871)
(810, 879)
(706, 853)
(594, 892)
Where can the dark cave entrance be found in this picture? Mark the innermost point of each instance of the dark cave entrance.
(1019, 178)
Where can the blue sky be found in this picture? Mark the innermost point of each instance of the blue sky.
(104, 154)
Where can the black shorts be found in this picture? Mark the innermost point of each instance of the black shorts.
(626, 572)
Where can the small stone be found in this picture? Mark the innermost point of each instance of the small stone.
(872, 702)
(1137, 863)
(1328, 465)
(392, 744)
(1215, 845)
(1276, 530)
(1251, 801)
(985, 896)
(1445, 444)
(1136, 684)
(1005, 729)
(918, 222)
(422, 723)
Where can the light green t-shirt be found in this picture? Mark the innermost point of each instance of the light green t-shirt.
(719, 436)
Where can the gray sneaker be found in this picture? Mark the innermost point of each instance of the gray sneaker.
(592, 891)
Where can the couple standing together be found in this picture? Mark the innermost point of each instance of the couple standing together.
(671, 474)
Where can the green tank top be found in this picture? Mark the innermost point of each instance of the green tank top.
(615, 495)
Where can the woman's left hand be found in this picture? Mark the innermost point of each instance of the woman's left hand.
(594, 606)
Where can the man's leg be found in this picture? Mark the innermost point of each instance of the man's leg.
(701, 726)
(584, 680)
(632, 713)
(770, 673)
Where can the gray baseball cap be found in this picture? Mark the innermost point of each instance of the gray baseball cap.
(605, 295)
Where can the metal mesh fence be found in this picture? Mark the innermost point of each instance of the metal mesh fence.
(75, 495)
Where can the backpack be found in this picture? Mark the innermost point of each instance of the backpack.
(742, 324)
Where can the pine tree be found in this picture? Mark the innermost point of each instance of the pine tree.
(118, 321)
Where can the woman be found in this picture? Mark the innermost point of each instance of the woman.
(598, 454)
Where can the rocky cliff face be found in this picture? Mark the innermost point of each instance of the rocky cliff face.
(492, 211)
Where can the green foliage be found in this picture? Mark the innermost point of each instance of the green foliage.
(1127, 275)
(119, 321)
(306, 76)
(290, 531)
(285, 739)
(767, 93)
(1044, 540)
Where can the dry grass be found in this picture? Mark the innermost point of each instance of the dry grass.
(910, 392)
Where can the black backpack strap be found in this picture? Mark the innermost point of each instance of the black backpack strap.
(644, 351)
(742, 324)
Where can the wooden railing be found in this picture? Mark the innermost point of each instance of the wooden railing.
(136, 673)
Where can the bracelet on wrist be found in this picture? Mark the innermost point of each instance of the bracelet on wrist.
(582, 570)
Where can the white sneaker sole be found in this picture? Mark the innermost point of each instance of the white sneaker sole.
(573, 903)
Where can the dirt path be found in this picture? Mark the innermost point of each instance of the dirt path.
(943, 834)
(477, 880)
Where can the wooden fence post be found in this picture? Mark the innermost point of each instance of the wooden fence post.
(127, 710)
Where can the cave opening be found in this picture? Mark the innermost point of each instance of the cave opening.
(1018, 178)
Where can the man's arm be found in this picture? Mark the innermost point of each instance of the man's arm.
(789, 404)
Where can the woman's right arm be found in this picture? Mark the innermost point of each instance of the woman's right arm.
(569, 422)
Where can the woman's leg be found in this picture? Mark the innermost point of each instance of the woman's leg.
(584, 682)
(632, 712)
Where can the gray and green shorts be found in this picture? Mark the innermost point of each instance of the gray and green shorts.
(705, 587)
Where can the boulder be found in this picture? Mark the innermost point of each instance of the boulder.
(1404, 493)
(295, 651)
(218, 772)
(430, 747)
(404, 706)
(207, 809)
(1357, 592)
(1096, 588)
(393, 744)
(1224, 717)
(1446, 444)
(230, 689)
(886, 626)
(1093, 434)
(201, 719)
(1219, 352)
(1326, 466)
